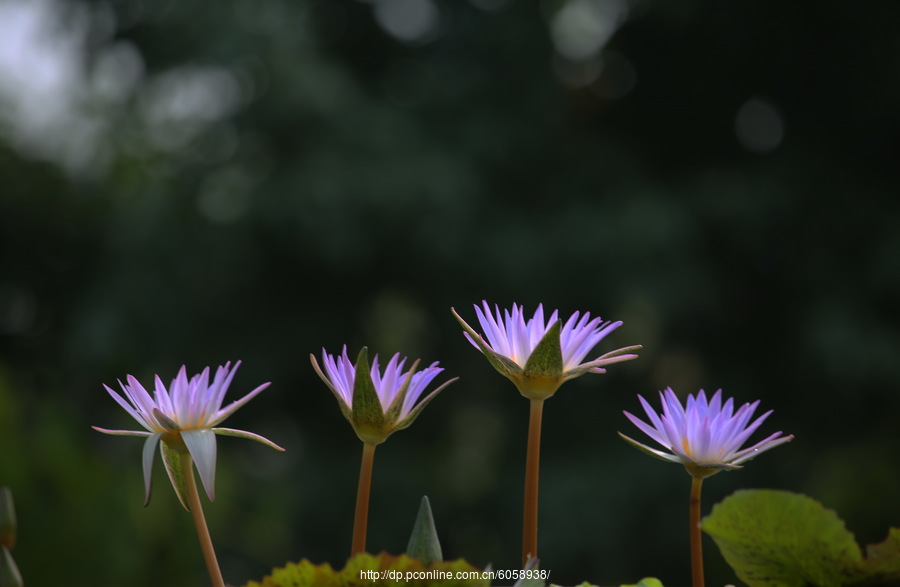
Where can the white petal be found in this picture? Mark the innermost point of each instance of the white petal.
(163, 401)
(142, 420)
(149, 452)
(220, 385)
(201, 443)
(122, 432)
(138, 395)
(494, 329)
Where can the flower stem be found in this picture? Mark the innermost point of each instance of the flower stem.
(696, 544)
(532, 466)
(361, 517)
(209, 554)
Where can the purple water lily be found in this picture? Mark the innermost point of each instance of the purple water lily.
(539, 355)
(376, 404)
(704, 436)
(398, 392)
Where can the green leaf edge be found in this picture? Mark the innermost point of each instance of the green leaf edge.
(308, 574)
(848, 568)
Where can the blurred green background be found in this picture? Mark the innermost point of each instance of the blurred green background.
(196, 182)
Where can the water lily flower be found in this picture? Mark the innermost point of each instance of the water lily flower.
(185, 417)
(537, 355)
(704, 436)
(377, 404)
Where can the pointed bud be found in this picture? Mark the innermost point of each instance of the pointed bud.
(424, 543)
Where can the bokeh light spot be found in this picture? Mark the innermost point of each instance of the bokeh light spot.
(118, 70)
(759, 126)
(412, 21)
(582, 27)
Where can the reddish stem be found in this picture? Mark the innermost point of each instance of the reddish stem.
(696, 543)
(532, 467)
(361, 517)
(206, 545)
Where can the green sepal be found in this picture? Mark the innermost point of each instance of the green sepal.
(165, 421)
(617, 356)
(778, 538)
(546, 361)
(423, 542)
(367, 413)
(8, 524)
(173, 461)
(9, 572)
(504, 365)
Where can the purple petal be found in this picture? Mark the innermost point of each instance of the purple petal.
(648, 430)
(388, 386)
(417, 385)
(493, 329)
(704, 431)
(656, 422)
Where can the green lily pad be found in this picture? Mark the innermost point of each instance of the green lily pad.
(882, 564)
(645, 582)
(376, 571)
(782, 539)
